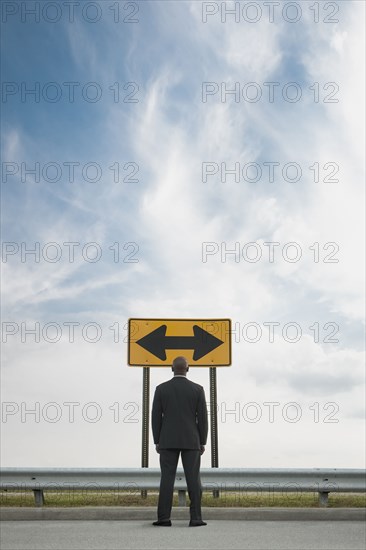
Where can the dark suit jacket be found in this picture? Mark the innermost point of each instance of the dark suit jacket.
(179, 415)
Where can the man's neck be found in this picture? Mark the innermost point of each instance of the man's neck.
(180, 376)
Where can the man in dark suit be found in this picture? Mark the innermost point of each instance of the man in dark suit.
(179, 425)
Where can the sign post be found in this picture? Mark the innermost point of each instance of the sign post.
(145, 421)
(156, 342)
(213, 425)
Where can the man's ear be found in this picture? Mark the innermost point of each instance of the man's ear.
(173, 369)
(187, 369)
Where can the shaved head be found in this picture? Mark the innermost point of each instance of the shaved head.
(180, 365)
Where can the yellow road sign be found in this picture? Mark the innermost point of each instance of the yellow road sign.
(156, 342)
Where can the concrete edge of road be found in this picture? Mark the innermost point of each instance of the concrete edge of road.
(148, 513)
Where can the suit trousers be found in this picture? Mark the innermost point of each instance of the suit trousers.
(191, 460)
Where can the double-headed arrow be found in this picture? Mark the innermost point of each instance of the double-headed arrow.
(156, 342)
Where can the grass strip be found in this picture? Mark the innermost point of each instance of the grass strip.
(57, 498)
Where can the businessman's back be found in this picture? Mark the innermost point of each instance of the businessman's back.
(179, 415)
(179, 425)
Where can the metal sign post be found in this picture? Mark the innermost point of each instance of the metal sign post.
(213, 418)
(145, 421)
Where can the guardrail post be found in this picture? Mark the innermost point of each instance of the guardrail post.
(182, 500)
(38, 497)
(323, 498)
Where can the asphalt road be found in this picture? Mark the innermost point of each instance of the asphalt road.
(218, 534)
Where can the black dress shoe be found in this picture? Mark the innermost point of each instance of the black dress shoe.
(166, 523)
(196, 523)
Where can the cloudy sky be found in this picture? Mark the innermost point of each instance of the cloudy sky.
(188, 159)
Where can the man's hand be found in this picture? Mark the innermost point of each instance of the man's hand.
(202, 449)
(157, 448)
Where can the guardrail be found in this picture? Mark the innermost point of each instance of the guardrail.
(320, 480)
